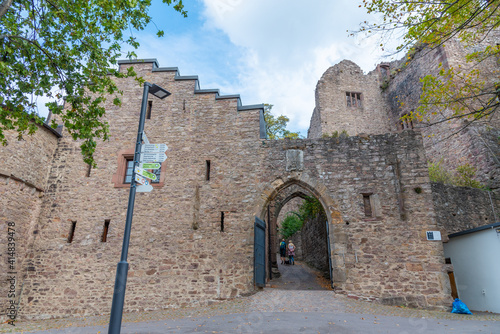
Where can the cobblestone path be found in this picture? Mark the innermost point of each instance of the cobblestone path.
(299, 300)
(299, 277)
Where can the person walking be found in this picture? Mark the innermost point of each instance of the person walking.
(291, 252)
(283, 251)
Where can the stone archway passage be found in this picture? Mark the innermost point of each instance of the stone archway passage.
(279, 195)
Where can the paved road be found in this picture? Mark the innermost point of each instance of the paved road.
(293, 322)
(292, 304)
(299, 277)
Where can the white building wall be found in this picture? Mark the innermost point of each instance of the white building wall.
(476, 262)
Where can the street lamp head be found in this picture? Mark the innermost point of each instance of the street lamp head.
(158, 91)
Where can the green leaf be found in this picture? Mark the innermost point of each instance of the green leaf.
(66, 46)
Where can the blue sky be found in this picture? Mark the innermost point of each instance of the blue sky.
(268, 51)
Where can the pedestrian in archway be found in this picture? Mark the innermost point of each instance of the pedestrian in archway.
(291, 252)
(283, 251)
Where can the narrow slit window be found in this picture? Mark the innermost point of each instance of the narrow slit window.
(222, 221)
(148, 111)
(105, 230)
(72, 231)
(367, 206)
(207, 171)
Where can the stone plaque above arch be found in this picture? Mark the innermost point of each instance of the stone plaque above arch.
(294, 160)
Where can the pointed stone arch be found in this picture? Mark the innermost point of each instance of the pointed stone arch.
(282, 190)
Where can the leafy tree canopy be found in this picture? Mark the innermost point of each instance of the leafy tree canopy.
(310, 208)
(470, 91)
(65, 49)
(464, 175)
(276, 126)
(290, 225)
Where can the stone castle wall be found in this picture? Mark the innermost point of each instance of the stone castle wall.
(174, 256)
(192, 236)
(314, 244)
(387, 169)
(460, 208)
(443, 142)
(23, 177)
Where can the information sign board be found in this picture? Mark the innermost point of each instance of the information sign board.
(144, 188)
(150, 165)
(152, 157)
(141, 180)
(145, 173)
(154, 148)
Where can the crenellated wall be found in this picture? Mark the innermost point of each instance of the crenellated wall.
(176, 234)
(192, 237)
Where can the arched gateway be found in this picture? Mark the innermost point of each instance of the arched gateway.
(193, 236)
(377, 199)
(279, 193)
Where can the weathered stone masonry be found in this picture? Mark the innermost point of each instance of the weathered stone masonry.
(179, 254)
(24, 170)
(393, 90)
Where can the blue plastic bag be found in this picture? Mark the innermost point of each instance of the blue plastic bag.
(460, 307)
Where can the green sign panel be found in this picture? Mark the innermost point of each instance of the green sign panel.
(150, 165)
(145, 173)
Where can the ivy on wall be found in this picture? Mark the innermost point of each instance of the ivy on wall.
(293, 222)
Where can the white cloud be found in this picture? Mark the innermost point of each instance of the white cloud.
(288, 46)
(266, 51)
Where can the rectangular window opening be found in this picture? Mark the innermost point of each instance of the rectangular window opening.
(367, 205)
(105, 229)
(406, 123)
(128, 171)
(207, 172)
(72, 231)
(148, 111)
(222, 221)
(353, 99)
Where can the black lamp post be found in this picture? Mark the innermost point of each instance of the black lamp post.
(115, 320)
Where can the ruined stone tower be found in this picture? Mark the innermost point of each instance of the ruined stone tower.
(373, 103)
(347, 100)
